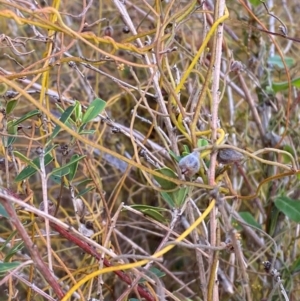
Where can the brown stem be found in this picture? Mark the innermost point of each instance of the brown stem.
(252, 106)
(90, 250)
(35, 255)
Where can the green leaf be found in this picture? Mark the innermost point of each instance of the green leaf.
(73, 166)
(186, 150)
(84, 191)
(155, 271)
(95, 108)
(151, 211)
(27, 116)
(3, 88)
(28, 171)
(7, 266)
(60, 109)
(165, 184)
(168, 198)
(282, 86)
(11, 105)
(72, 161)
(202, 142)
(12, 130)
(61, 171)
(84, 182)
(276, 61)
(255, 2)
(78, 112)
(286, 158)
(180, 195)
(3, 212)
(11, 235)
(49, 148)
(291, 208)
(249, 219)
(296, 266)
(176, 158)
(25, 159)
(64, 117)
(87, 132)
(16, 248)
(56, 179)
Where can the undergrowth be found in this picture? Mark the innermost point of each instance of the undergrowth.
(149, 150)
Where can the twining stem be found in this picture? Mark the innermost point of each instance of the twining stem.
(145, 261)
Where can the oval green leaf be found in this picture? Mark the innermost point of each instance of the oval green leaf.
(3, 212)
(282, 86)
(3, 88)
(175, 157)
(165, 184)
(168, 198)
(95, 108)
(64, 118)
(151, 211)
(291, 208)
(78, 112)
(26, 116)
(202, 142)
(73, 166)
(255, 2)
(180, 195)
(277, 61)
(28, 171)
(25, 159)
(249, 219)
(11, 105)
(7, 266)
(12, 130)
(70, 163)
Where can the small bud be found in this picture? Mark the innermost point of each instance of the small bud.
(236, 66)
(126, 29)
(108, 31)
(228, 156)
(85, 231)
(272, 139)
(79, 207)
(190, 164)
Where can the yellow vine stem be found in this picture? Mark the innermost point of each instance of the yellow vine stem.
(201, 49)
(100, 147)
(80, 36)
(44, 99)
(194, 62)
(183, 13)
(218, 142)
(145, 261)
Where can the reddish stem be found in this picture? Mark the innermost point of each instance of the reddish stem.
(90, 250)
(35, 255)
